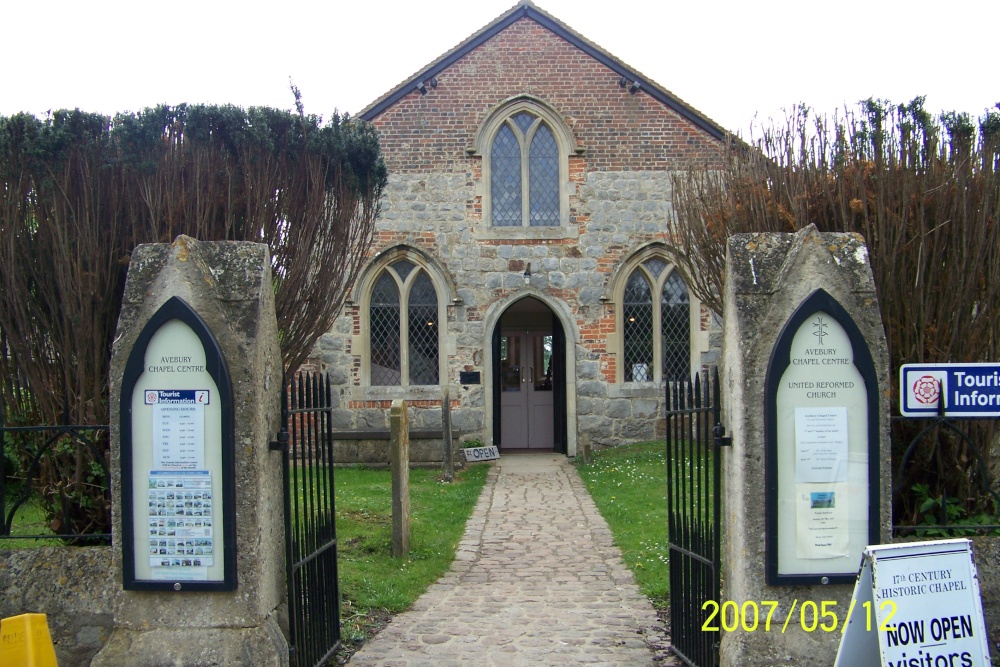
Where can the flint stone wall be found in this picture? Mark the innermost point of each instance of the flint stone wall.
(987, 554)
(74, 587)
(375, 452)
(614, 214)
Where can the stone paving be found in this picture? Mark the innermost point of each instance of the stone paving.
(536, 581)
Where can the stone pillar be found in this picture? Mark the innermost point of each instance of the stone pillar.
(399, 452)
(768, 277)
(229, 285)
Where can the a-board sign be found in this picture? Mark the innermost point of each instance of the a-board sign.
(25, 640)
(822, 447)
(916, 604)
(474, 454)
(177, 457)
(962, 390)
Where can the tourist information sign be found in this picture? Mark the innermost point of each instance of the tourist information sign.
(966, 390)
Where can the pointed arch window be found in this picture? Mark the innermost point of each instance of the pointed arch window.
(525, 165)
(403, 327)
(656, 330)
(675, 329)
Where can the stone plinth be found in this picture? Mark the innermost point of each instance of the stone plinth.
(229, 285)
(768, 278)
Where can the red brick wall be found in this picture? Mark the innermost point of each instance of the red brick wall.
(619, 130)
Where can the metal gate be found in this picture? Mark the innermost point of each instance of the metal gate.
(306, 440)
(694, 435)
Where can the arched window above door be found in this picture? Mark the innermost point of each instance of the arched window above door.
(525, 147)
(524, 174)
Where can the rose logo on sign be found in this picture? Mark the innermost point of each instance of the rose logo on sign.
(927, 390)
(152, 397)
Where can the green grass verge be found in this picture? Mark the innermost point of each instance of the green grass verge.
(373, 584)
(28, 520)
(629, 487)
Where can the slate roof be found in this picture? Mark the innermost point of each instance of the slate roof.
(527, 9)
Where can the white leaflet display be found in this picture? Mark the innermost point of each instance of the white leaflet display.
(820, 444)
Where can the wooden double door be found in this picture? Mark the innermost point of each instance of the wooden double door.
(526, 389)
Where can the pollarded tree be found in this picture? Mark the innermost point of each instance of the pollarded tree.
(78, 191)
(924, 193)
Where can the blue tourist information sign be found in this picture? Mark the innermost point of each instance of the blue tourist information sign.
(967, 390)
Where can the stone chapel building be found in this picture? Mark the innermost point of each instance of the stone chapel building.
(521, 258)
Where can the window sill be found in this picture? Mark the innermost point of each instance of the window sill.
(636, 390)
(533, 233)
(388, 393)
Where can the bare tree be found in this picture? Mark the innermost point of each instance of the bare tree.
(924, 193)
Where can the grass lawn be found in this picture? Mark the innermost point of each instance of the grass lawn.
(28, 520)
(373, 584)
(629, 487)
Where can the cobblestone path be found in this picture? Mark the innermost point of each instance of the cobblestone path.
(537, 581)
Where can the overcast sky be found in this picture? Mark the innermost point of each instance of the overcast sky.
(730, 60)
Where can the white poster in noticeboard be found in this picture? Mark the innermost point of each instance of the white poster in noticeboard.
(916, 604)
(177, 455)
(822, 450)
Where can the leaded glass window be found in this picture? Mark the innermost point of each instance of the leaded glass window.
(656, 334)
(675, 327)
(655, 266)
(505, 175)
(402, 269)
(423, 331)
(638, 329)
(523, 121)
(543, 175)
(385, 348)
(403, 327)
(525, 151)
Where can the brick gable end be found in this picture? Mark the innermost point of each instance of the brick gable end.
(619, 131)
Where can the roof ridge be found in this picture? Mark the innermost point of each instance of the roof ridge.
(528, 9)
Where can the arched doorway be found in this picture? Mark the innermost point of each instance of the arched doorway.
(529, 379)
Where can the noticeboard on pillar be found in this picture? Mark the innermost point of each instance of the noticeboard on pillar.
(822, 466)
(177, 458)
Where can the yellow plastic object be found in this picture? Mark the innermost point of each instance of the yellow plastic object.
(25, 642)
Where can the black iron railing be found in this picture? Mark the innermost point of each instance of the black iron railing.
(306, 440)
(68, 495)
(978, 470)
(694, 435)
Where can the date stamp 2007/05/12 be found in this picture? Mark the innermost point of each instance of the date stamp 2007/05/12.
(813, 616)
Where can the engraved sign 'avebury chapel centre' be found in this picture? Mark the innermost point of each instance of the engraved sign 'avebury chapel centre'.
(820, 447)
